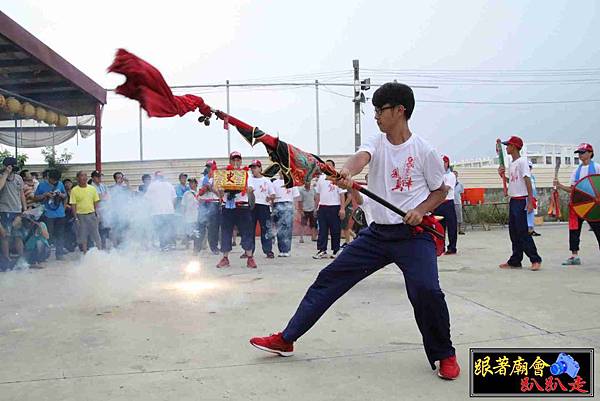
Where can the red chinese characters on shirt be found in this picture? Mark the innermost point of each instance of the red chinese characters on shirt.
(404, 178)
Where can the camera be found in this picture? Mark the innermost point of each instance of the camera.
(565, 364)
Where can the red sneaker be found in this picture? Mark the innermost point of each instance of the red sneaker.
(274, 343)
(251, 263)
(449, 368)
(224, 262)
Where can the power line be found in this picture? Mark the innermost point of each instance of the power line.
(508, 103)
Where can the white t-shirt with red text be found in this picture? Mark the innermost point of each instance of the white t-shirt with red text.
(518, 170)
(283, 194)
(263, 188)
(329, 193)
(404, 174)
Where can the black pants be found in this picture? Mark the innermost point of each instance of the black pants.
(209, 220)
(241, 217)
(56, 229)
(522, 242)
(575, 235)
(374, 248)
(328, 219)
(448, 211)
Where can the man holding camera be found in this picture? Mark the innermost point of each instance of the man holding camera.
(12, 203)
(53, 194)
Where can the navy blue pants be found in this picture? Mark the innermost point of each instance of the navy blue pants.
(374, 248)
(283, 217)
(209, 216)
(519, 234)
(262, 215)
(448, 211)
(241, 217)
(328, 219)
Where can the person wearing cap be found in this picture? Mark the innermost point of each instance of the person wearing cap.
(261, 214)
(12, 203)
(521, 202)
(587, 166)
(84, 200)
(236, 211)
(53, 194)
(283, 215)
(447, 210)
(407, 172)
(209, 214)
(531, 215)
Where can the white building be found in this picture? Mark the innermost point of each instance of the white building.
(542, 155)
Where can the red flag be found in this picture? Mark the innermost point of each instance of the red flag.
(146, 84)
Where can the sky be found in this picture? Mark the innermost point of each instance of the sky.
(476, 52)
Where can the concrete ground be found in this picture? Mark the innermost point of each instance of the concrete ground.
(146, 326)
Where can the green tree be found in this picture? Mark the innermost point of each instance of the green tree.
(21, 159)
(56, 161)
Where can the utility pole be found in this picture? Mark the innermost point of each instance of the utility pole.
(359, 97)
(228, 130)
(318, 128)
(356, 101)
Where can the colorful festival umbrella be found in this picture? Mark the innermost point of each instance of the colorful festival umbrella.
(585, 198)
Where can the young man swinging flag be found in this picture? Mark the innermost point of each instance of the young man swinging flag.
(406, 171)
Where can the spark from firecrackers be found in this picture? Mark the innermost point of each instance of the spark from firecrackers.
(192, 267)
(194, 287)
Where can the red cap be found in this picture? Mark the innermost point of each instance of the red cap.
(446, 159)
(235, 153)
(210, 162)
(514, 140)
(584, 147)
(256, 163)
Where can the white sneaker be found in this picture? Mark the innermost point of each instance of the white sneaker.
(321, 255)
(284, 255)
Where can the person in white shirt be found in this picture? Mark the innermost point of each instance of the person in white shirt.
(330, 213)
(585, 151)
(407, 172)
(189, 212)
(283, 215)
(236, 211)
(161, 199)
(446, 209)
(209, 210)
(261, 214)
(521, 202)
(459, 189)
